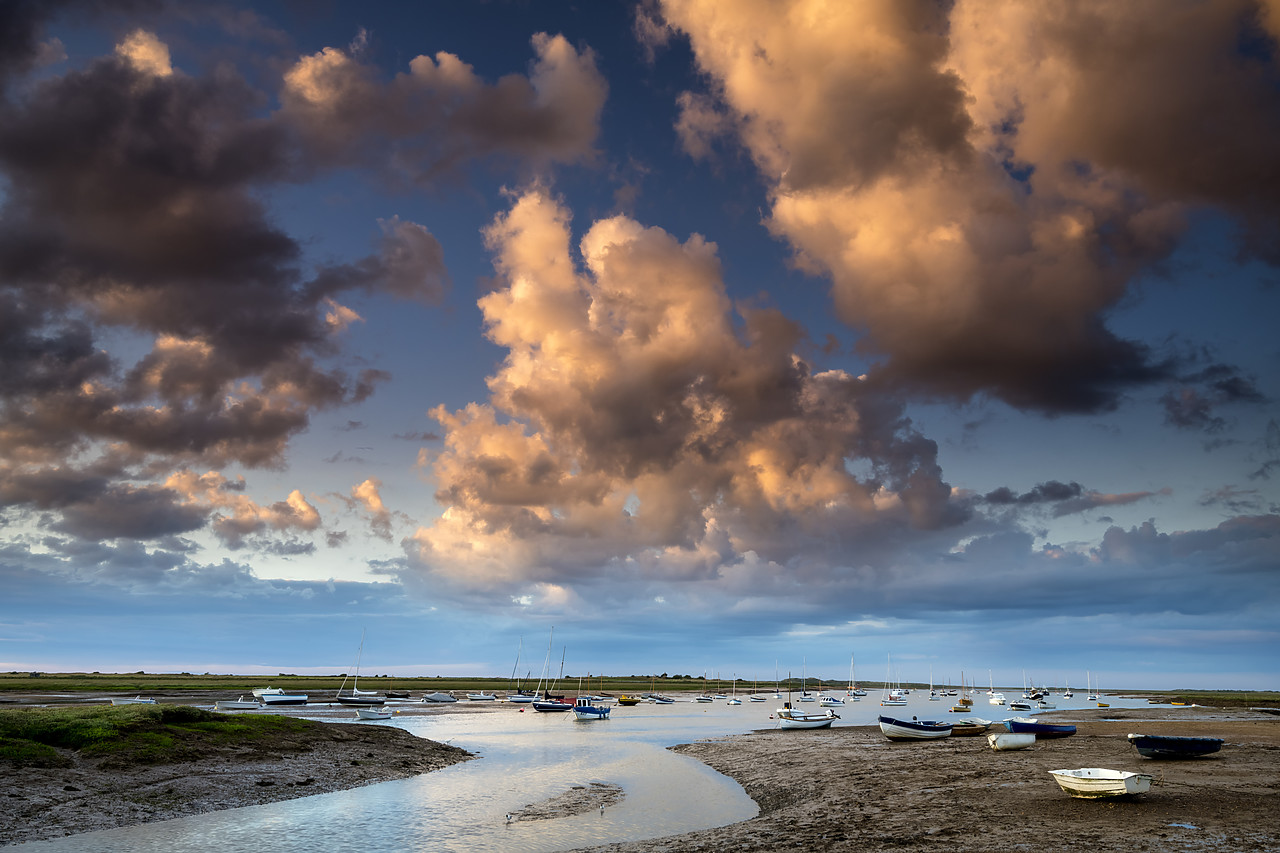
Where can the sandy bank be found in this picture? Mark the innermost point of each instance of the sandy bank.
(850, 789)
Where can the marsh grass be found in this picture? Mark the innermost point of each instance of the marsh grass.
(134, 734)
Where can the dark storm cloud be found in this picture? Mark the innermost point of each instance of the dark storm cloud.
(132, 205)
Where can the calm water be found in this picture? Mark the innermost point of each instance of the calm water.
(526, 757)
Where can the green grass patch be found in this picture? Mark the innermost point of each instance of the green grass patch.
(135, 734)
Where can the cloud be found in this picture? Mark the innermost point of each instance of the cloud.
(635, 434)
(983, 181)
(1064, 498)
(440, 115)
(155, 320)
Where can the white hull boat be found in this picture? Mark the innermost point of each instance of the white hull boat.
(136, 700)
(373, 714)
(914, 729)
(1003, 741)
(1096, 782)
(790, 718)
(241, 704)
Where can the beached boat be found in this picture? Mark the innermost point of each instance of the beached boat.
(1025, 725)
(482, 697)
(282, 698)
(914, 729)
(970, 727)
(1002, 741)
(439, 696)
(628, 700)
(259, 692)
(241, 704)
(793, 718)
(1170, 746)
(135, 700)
(373, 713)
(1096, 782)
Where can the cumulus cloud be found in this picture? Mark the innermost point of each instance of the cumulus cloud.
(155, 319)
(635, 433)
(981, 181)
(440, 114)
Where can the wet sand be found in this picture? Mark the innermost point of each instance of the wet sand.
(851, 789)
(838, 789)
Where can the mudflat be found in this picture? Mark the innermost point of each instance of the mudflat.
(91, 794)
(851, 789)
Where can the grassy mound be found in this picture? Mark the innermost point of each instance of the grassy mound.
(135, 734)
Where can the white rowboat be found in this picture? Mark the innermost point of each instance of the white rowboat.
(1002, 741)
(1095, 782)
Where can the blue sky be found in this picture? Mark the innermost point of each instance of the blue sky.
(722, 337)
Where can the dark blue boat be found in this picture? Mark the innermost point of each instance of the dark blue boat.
(1040, 730)
(1169, 746)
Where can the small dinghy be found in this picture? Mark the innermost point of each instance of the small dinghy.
(1003, 741)
(1098, 782)
(1168, 746)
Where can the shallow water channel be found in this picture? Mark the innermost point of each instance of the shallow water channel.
(525, 757)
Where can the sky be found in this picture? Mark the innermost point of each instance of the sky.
(679, 336)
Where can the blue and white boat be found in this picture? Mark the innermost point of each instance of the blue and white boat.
(586, 709)
(914, 729)
(1032, 726)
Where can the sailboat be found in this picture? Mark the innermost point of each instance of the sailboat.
(992, 696)
(734, 700)
(891, 695)
(793, 718)
(548, 702)
(933, 694)
(519, 696)
(706, 695)
(367, 698)
(854, 692)
(965, 703)
(1090, 690)
(805, 695)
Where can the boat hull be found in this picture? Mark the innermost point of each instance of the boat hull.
(551, 705)
(373, 714)
(361, 701)
(895, 729)
(1004, 741)
(1098, 782)
(789, 718)
(272, 699)
(235, 705)
(587, 713)
(1167, 746)
(1040, 730)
